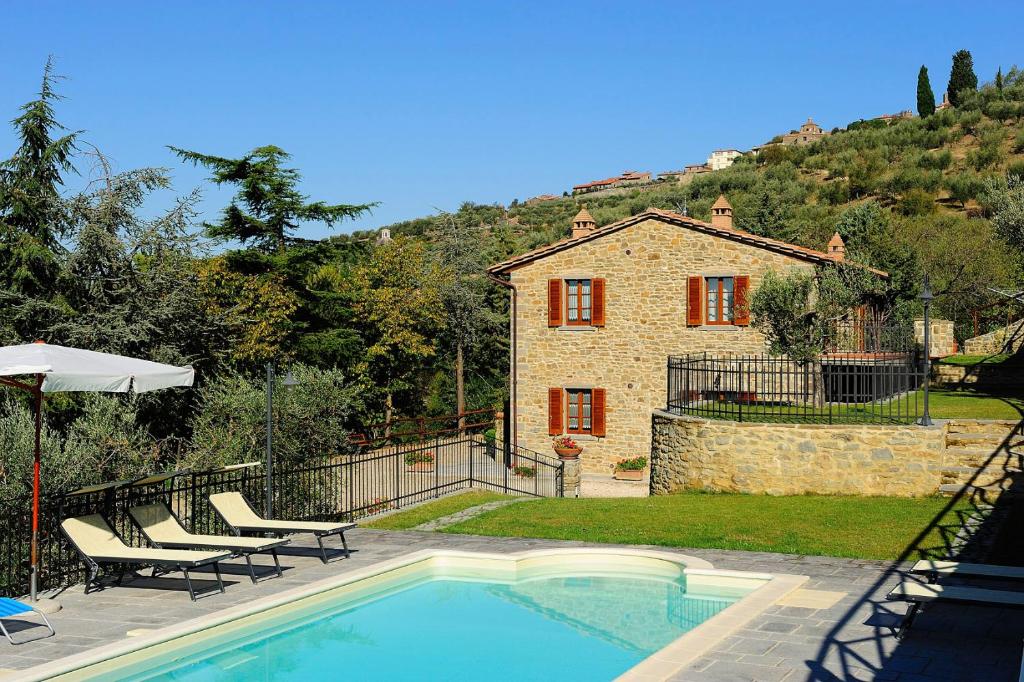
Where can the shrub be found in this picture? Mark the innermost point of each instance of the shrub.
(964, 186)
(916, 202)
(314, 418)
(1018, 143)
(936, 160)
(525, 471)
(984, 156)
(419, 457)
(631, 464)
(490, 435)
(1016, 168)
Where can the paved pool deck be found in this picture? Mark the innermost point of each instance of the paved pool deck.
(837, 627)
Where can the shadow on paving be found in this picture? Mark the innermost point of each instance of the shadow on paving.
(948, 641)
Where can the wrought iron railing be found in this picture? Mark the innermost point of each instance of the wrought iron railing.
(835, 388)
(372, 481)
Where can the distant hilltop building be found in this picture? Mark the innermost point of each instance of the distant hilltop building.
(384, 236)
(626, 179)
(809, 132)
(722, 158)
(946, 104)
(540, 199)
(892, 118)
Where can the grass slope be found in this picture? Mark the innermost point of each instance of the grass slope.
(859, 527)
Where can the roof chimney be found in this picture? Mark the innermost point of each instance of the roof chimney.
(583, 223)
(836, 248)
(721, 213)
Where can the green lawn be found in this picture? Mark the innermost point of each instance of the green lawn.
(434, 510)
(943, 404)
(972, 360)
(948, 404)
(860, 527)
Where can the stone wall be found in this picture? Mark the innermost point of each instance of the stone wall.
(982, 377)
(646, 268)
(1008, 339)
(940, 338)
(690, 453)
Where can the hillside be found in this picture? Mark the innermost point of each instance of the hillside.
(928, 176)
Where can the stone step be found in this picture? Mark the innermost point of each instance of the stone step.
(954, 488)
(973, 440)
(985, 470)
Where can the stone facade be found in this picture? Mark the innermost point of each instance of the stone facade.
(689, 453)
(940, 337)
(645, 267)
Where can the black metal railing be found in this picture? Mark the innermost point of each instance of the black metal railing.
(835, 388)
(372, 481)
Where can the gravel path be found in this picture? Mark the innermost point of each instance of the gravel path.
(458, 517)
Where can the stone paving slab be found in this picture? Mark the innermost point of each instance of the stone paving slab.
(849, 640)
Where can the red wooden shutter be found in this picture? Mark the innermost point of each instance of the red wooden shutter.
(694, 307)
(741, 302)
(597, 412)
(554, 302)
(597, 302)
(554, 411)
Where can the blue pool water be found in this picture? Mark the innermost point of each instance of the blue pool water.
(580, 628)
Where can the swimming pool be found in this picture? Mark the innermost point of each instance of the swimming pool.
(577, 614)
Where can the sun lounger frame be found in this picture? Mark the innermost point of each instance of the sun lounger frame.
(281, 531)
(94, 564)
(236, 550)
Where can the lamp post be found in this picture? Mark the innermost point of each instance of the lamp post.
(288, 383)
(926, 298)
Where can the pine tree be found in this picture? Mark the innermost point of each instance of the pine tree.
(274, 207)
(30, 214)
(961, 77)
(925, 96)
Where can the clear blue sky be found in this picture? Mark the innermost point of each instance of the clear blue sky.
(420, 105)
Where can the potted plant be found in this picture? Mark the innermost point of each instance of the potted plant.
(421, 461)
(566, 448)
(524, 471)
(631, 469)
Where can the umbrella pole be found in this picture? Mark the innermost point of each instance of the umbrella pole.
(38, 394)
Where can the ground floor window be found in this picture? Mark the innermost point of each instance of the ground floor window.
(578, 412)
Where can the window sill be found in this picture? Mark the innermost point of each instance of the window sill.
(719, 327)
(575, 328)
(581, 437)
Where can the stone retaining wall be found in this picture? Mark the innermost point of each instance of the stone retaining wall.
(981, 377)
(793, 459)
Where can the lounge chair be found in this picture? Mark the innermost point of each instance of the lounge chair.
(99, 544)
(164, 530)
(954, 569)
(12, 607)
(238, 514)
(918, 594)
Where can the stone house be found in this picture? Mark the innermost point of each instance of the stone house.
(809, 132)
(723, 158)
(596, 315)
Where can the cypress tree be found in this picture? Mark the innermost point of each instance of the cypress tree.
(999, 80)
(961, 77)
(925, 96)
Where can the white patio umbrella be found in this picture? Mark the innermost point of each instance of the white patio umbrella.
(57, 368)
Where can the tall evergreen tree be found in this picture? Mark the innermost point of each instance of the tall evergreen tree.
(999, 80)
(273, 205)
(925, 96)
(30, 213)
(961, 77)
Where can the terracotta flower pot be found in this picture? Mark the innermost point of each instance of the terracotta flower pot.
(629, 474)
(568, 453)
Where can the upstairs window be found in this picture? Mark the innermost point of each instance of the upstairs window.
(577, 301)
